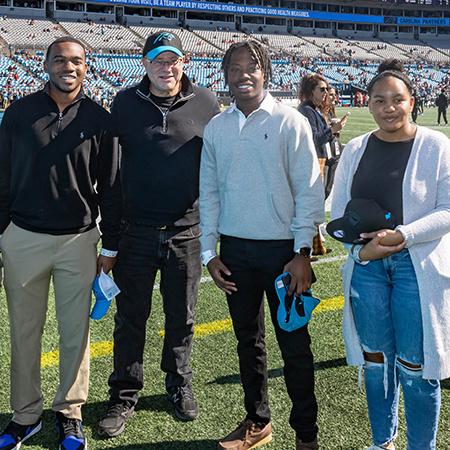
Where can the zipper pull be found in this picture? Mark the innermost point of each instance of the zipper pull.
(164, 127)
(60, 118)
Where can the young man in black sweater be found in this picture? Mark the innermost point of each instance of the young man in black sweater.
(160, 125)
(58, 168)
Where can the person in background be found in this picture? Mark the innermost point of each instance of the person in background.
(442, 104)
(331, 101)
(415, 110)
(396, 286)
(59, 162)
(265, 218)
(312, 94)
(160, 124)
(327, 109)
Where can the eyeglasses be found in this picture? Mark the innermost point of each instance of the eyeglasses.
(160, 63)
(322, 89)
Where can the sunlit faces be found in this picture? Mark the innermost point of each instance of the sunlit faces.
(164, 72)
(66, 67)
(319, 93)
(332, 95)
(390, 104)
(245, 80)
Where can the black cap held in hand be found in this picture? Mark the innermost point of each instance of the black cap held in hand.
(361, 216)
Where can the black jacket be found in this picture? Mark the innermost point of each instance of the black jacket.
(321, 133)
(50, 162)
(442, 101)
(161, 153)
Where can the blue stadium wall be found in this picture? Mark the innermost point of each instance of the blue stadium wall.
(380, 18)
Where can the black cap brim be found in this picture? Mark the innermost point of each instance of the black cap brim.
(338, 229)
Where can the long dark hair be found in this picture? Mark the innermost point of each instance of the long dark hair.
(307, 85)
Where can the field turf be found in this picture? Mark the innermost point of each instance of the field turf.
(342, 420)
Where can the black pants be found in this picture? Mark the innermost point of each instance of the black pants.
(254, 265)
(442, 110)
(329, 172)
(142, 251)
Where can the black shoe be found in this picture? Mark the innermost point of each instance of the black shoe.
(186, 407)
(15, 434)
(70, 433)
(114, 421)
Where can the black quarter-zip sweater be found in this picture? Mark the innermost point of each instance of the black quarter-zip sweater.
(50, 162)
(161, 153)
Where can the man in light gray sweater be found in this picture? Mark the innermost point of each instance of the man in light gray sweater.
(261, 193)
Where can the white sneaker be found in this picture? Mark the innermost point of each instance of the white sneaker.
(323, 230)
(377, 447)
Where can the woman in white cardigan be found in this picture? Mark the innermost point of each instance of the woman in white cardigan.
(397, 286)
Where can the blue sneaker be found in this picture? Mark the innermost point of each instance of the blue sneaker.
(70, 433)
(15, 434)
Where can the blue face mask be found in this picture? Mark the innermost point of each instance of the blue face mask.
(294, 312)
(104, 290)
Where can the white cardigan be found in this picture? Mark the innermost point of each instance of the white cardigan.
(426, 216)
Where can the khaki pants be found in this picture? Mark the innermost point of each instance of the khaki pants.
(31, 260)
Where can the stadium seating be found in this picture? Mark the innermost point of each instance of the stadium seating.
(193, 43)
(417, 50)
(290, 44)
(118, 71)
(13, 75)
(442, 46)
(114, 55)
(29, 33)
(108, 38)
(221, 39)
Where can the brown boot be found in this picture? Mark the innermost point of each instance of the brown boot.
(299, 445)
(246, 436)
(318, 248)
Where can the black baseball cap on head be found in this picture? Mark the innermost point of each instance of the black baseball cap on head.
(162, 42)
(361, 216)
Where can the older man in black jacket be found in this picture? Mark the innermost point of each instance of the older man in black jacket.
(160, 124)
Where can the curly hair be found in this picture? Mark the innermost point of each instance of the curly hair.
(258, 53)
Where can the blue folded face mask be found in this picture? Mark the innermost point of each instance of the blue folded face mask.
(294, 312)
(104, 290)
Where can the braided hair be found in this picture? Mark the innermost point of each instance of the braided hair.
(258, 53)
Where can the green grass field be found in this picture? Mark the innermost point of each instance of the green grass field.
(342, 420)
(360, 121)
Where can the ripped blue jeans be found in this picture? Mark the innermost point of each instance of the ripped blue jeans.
(386, 306)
